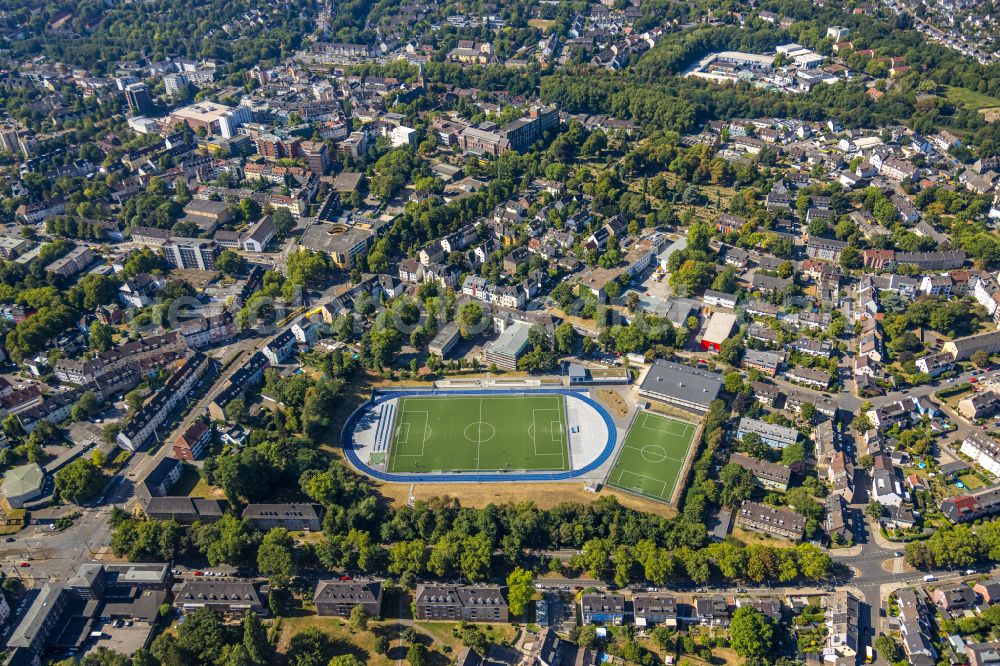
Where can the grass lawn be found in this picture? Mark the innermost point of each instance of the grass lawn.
(971, 481)
(542, 24)
(970, 99)
(441, 644)
(188, 481)
(653, 455)
(494, 432)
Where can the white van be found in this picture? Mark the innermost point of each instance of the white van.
(929, 578)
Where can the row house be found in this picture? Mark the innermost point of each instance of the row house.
(209, 331)
(984, 451)
(767, 362)
(602, 608)
(765, 393)
(903, 285)
(979, 405)
(191, 444)
(813, 347)
(768, 474)
(828, 249)
(843, 621)
(986, 291)
(837, 521)
(780, 523)
(817, 379)
(337, 598)
(965, 508)
(654, 609)
(460, 603)
(935, 364)
(247, 376)
(295, 517)
(933, 285)
(915, 628)
(230, 597)
(775, 436)
(143, 425)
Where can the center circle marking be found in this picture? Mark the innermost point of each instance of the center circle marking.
(653, 453)
(478, 432)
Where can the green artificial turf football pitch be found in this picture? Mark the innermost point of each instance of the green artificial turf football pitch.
(653, 455)
(479, 433)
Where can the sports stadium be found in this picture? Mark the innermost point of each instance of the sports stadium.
(503, 434)
(479, 435)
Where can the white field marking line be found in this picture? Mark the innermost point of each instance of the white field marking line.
(423, 442)
(641, 449)
(682, 435)
(534, 438)
(403, 436)
(641, 476)
(479, 439)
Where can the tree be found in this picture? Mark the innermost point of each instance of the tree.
(381, 644)
(874, 510)
(730, 350)
(230, 263)
(808, 412)
(793, 454)
(733, 382)
(346, 660)
(520, 585)
(100, 336)
(737, 485)
(202, 635)
(87, 406)
(255, 639)
(416, 655)
(236, 411)
(359, 618)
(476, 557)
(283, 221)
(751, 635)
(887, 648)
(79, 481)
(469, 318)
(980, 359)
(565, 338)
(226, 541)
(276, 557)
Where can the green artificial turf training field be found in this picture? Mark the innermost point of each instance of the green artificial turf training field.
(473, 433)
(652, 456)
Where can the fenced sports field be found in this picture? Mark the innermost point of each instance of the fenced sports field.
(652, 457)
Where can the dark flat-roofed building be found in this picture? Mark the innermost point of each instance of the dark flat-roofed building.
(691, 389)
(339, 597)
